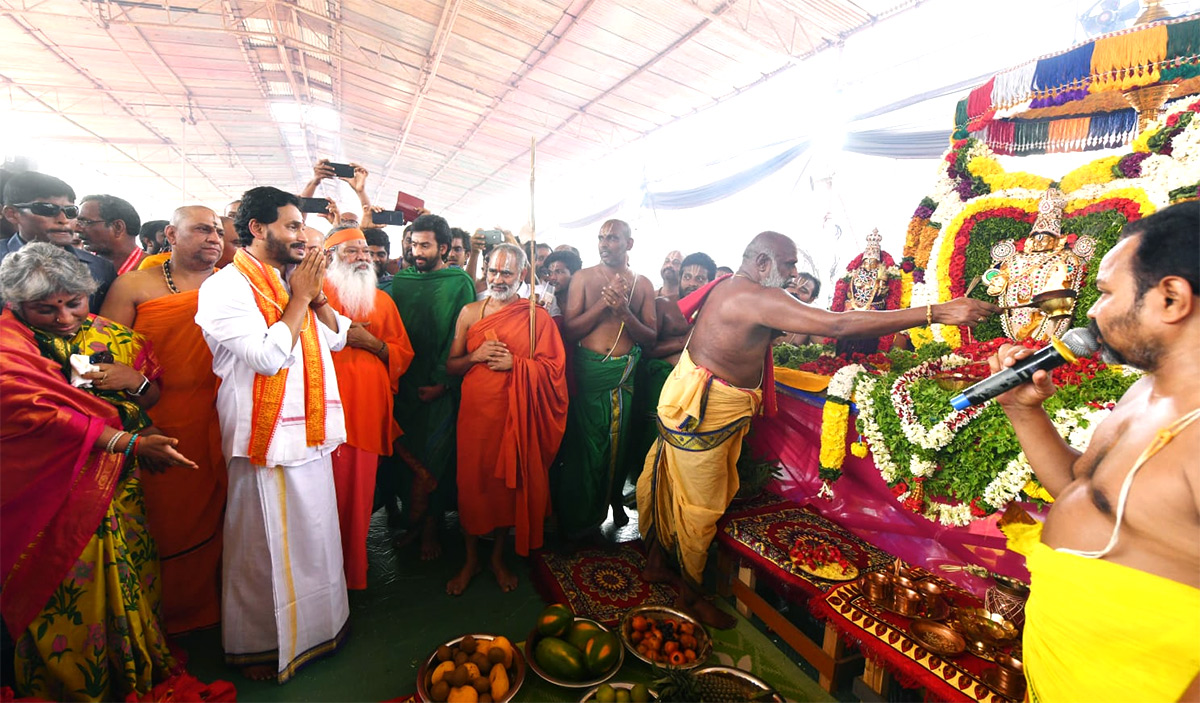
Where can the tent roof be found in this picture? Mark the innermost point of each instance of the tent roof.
(436, 98)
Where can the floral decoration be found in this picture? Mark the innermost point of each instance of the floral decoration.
(958, 466)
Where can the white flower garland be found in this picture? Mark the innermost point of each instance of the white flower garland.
(841, 385)
(1075, 425)
(944, 431)
(870, 430)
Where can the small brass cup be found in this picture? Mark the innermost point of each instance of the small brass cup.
(904, 582)
(932, 593)
(907, 601)
(1010, 675)
(878, 587)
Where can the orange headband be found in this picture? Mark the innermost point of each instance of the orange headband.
(343, 236)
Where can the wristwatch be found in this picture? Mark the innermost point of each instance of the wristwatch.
(141, 389)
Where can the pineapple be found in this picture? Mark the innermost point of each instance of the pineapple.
(676, 685)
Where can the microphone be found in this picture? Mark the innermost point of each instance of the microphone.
(1075, 343)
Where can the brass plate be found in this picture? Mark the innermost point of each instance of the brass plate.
(937, 638)
(979, 624)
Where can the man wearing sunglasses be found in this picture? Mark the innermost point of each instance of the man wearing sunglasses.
(42, 209)
(109, 227)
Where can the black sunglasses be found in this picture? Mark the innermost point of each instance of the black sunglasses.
(50, 209)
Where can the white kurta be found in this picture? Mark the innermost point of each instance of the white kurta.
(282, 539)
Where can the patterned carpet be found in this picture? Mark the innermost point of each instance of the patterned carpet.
(599, 583)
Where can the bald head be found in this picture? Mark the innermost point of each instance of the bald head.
(195, 237)
(770, 259)
(191, 212)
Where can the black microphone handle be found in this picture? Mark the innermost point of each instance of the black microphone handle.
(1013, 376)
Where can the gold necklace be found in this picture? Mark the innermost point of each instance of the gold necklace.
(166, 267)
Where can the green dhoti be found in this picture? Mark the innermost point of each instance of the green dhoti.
(593, 467)
(651, 375)
(429, 303)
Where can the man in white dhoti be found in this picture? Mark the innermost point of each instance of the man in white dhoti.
(284, 591)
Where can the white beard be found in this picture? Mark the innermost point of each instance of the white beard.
(504, 297)
(774, 279)
(355, 289)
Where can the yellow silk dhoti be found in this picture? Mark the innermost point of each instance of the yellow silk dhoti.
(1099, 631)
(690, 475)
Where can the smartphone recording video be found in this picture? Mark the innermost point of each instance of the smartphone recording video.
(388, 217)
(342, 170)
(492, 237)
(317, 205)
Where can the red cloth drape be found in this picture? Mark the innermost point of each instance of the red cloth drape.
(54, 486)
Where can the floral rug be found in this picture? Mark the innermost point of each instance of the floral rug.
(599, 583)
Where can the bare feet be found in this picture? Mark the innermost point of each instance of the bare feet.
(431, 546)
(458, 584)
(707, 612)
(506, 578)
(659, 574)
(260, 672)
(656, 570)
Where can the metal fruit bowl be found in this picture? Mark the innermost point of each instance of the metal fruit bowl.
(755, 688)
(662, 612)
(531, 644)
(591, 694)
(515, 681)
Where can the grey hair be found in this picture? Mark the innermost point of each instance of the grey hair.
(522, 259)
(40, 270)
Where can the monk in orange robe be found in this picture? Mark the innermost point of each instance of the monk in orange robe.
(376, 354)
(185, 509)
(514, 415)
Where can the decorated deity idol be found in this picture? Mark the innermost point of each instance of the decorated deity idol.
(1036, 280)
(872, 282)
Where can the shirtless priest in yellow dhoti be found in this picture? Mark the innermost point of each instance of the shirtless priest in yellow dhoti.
(1114, 605)
(706, 405)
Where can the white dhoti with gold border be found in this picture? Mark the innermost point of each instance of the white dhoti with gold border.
(284, 591)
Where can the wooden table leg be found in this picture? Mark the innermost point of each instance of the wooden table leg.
(836, 649)
(748, 579)
(876, 677)
(725, 566)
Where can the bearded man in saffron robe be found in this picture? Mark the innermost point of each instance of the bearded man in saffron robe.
(368, 370)
(518, 402)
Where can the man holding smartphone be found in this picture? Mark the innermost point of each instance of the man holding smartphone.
(351, 173)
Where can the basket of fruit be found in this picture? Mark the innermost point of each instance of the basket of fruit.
(665, 637)
(619, 693)
(472, 669)
(572, 652)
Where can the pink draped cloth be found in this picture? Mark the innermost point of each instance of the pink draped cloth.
(863, 503)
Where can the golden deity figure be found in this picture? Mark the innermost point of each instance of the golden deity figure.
(868, 289)
(1036, 280)
(872, 282)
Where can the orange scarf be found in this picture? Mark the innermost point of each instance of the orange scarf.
(271, 298)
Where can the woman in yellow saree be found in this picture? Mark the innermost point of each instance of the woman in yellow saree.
(80, 590)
